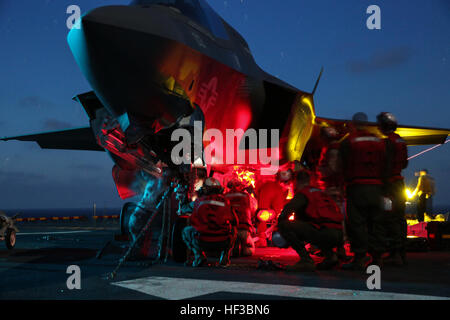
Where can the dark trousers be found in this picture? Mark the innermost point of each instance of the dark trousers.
(366, 219)
(396, 226)
(296, 233)
(424, 205)
(191, 238)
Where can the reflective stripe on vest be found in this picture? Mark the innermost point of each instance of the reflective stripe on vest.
(365, 139)
(212, 202)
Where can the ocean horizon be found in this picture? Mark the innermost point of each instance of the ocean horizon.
(61, 212)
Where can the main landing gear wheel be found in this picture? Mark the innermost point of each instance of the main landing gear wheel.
(10, 239)
(127, 210)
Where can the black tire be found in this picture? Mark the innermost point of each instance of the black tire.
(179, 249)
(10, 239)
(127, 209)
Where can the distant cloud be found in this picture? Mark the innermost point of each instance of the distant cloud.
(54, 124)
(382, 60)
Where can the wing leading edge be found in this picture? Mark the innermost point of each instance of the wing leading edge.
(414, 136)
(71, 139)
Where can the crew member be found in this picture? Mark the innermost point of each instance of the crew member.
(425, 190)
(331, 178)
(271, 196)
(329, 170)
(313, 217)
(240, 200)
(313, 153)
(363, 158)
(397, 153)
(213, 225)
(147, 245)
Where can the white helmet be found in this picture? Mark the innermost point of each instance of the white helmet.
(212, 183)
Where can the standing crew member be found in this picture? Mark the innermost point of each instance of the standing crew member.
(425, 190)
(397, 153)
(240, 201)
(363, 159)
(311, 216)
(213, 225)
(330, 176)
(329, 170)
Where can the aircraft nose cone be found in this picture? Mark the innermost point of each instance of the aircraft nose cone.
(120, 50)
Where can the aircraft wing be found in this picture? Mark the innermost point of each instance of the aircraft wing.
(71, 139)
(414, 136)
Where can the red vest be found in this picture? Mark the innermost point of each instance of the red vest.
(327, 178)
(272, 196)
(400, 156)
(366, 160)
(321, 209)
(240, 201)
(213, 218)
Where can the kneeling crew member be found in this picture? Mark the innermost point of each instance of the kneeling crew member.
(240, 201)
(213, 225)
(318, 220)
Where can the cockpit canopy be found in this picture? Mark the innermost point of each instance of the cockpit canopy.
(197, 10)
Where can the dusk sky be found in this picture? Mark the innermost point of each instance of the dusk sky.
(403, 68)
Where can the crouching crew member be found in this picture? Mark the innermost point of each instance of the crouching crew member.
(312, 217)
(240, 201)
(397, 152)
(363, 159)
(271, 196)
(213, 225)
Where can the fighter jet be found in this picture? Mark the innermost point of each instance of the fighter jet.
(158, 65)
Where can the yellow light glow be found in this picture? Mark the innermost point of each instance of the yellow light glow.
(290, 194)
(411, 222)
(245, 176)
(410, 194)
(308, 102)
(301, 127)
(437, 218)
(292, 216)
(265, 215)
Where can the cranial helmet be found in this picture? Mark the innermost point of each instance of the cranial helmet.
(360, 117)
(330, 133)
(212, 186)
(235, 184)
(387, 122)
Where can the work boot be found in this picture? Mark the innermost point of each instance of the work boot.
(237, 249)
(304, 265)
(403, 257)
(329, 262)
(359, 263)
(199, 259)
(395, 259)
(224, 260)
(189, 261)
